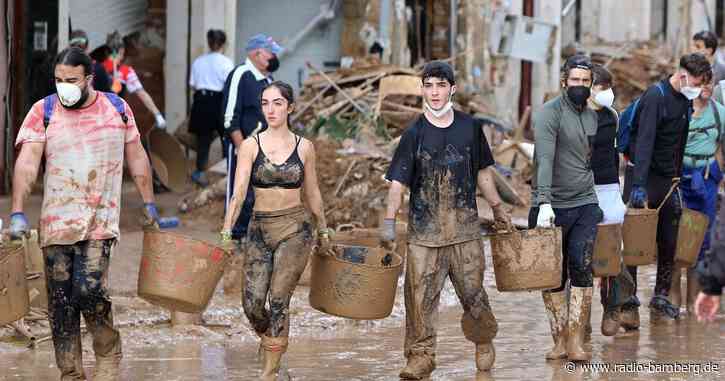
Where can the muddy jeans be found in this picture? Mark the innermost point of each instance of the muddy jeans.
(426, 272)
(617, 291)
(77, 277)
(277, 251)
(579, 230)
(667, 228)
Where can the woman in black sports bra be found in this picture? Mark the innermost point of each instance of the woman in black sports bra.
(280, 166)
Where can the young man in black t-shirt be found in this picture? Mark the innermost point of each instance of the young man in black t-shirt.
(441, 158)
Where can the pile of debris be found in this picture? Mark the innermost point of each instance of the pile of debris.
(634, 66)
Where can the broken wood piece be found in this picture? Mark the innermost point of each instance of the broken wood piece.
(506, 190)
(345, 94)
(402, 107)
(344, 177)
(307, 105)
(399, 85)
(519, 133)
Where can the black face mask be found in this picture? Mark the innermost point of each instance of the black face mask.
(578, 95)
(273, 64)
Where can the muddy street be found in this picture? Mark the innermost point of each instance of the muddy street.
(323, 347)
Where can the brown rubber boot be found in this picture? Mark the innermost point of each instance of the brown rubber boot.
(418, 367)
(107, 368)
(485, 356)
(556, 309)
(693, 288)
(629, 318)
(588, 328)
(580, 304)
(610, 323)
(273, 347)
(676, 287)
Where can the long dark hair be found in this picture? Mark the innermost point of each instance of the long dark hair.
(75, 56)
(285, 90)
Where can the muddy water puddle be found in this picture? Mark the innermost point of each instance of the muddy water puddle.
(329, 348)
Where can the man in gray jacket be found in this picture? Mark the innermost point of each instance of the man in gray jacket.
(563, 193)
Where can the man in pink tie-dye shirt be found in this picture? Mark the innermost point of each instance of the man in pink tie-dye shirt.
(85, 138)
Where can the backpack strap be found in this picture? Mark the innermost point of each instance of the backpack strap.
(118, 104)
(713, 104)
(48, 105)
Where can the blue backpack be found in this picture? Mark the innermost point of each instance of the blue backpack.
(49, 104)
(626, 120)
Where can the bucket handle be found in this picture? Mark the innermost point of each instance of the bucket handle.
(675, 183)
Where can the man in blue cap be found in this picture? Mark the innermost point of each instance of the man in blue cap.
(243, 113)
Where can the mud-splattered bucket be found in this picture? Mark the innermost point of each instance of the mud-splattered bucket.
(690, 236)
(527, 260)
(364, 290)
(14, 301)
(607, 257)
(358, 236)
(179, 273)
(35, 272)
(639, 234)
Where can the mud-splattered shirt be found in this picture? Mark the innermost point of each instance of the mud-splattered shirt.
(440, 167)
(84, 153)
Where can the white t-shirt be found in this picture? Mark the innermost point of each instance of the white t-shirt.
(209, 71)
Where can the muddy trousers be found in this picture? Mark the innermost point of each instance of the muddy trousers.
(618, 291)
(77, 277)
(579, 230)
(667, 228)
(277, 252)
(426, 271)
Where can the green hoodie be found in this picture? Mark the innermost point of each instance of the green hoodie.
(562, 173)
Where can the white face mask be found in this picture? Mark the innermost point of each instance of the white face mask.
(688, 91)
(443, 110)
(605, 98)
(68, 94)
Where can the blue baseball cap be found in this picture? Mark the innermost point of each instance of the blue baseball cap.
(262, 41)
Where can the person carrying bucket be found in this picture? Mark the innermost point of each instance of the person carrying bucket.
(654, 166)
(563, 195)
(441, 158)
(701, 177)
(615, 291)
(280, 166)
(85, 135)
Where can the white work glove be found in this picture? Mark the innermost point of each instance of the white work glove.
(160, 121)
(546, 216)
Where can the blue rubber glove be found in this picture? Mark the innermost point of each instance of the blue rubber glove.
(638, 197)
(19, 226)
(151, 215)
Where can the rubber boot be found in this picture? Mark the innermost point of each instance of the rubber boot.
(273, 347)
(629, 318)
(418, 367)
(676, 287)
(485, 356)
(580, 304)
(610, 322)
(557, 311)
(588, 328)
(107, 368)
(693, 288)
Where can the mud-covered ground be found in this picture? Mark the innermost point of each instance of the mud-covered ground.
(323, 347)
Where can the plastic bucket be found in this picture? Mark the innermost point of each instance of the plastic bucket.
(527, 260)
(14, 301)
(364, 290)
(607, 257)
(179, 273)
(690, 236)
(639, 233)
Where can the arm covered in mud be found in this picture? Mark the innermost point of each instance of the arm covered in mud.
(311, 188)
(140, 169)
(241, 182)
(395, 199)
(487, 185)
(26, 172)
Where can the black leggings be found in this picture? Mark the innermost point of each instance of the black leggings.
(205, 120)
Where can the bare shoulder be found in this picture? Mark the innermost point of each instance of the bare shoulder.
(249, 146)
(306, 147)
